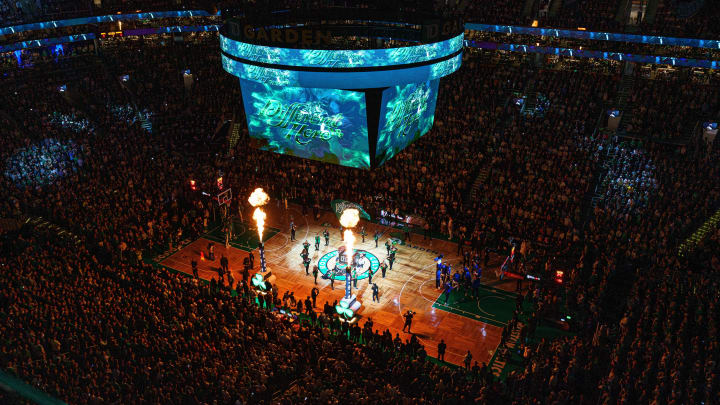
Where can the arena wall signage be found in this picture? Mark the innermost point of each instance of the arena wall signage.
(352, 107)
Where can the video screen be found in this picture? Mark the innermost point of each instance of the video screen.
(407, 112)
(341, 58)
(322, 124)
(341, 80)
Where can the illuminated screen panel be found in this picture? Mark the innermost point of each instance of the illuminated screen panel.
(341, 58)
(339, 80)
(407, 112)
(321, 124)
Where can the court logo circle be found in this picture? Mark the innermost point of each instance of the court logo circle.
(334, 262)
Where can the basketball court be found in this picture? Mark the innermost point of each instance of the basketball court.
(464, 323)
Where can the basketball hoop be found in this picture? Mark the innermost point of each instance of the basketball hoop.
(225, 197)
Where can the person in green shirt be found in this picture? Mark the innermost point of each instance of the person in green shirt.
(391, 257)
(326, 234)
(376, 237)
(363, 233)
(306, 245)
(317, 241)
(354, 278)
(387, 246)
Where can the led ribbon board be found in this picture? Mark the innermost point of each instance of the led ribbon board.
(326, 58)
(352, 107)
(360, 79)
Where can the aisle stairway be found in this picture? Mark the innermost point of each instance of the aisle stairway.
(528, 9)
(651, 11)
(40, 224)
(530, 102)
(623, 101)
(706, 228)
(623, 11)
(234, 136)
(477, 185)
(145, 123)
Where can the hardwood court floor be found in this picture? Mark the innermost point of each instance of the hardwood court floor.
(409, 286)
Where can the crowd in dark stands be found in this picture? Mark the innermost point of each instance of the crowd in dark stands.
(633, 48)
(92, 322)
(671, 17)
(686, 99)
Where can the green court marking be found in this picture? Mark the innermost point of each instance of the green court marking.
(246, 239)
(492, 306)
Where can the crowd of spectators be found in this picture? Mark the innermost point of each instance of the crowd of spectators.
(92, 323)
(670, 18)
(632, 48)
(592, 15)
(42, 163)
(655, 344)
(687, 100)
(628, 179)
(538, 162)
(669, 21)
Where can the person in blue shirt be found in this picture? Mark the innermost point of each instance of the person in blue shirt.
(448, 289)
(438, 277)
(476, 287)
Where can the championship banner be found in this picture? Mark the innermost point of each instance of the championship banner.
(339, 206)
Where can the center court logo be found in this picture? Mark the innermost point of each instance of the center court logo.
(328, 260)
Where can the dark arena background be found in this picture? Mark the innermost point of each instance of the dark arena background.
(363, 202)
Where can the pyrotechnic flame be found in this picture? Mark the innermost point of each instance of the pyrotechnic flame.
(258, 198)
(349, 242)
(349, 218)
(259, 217)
